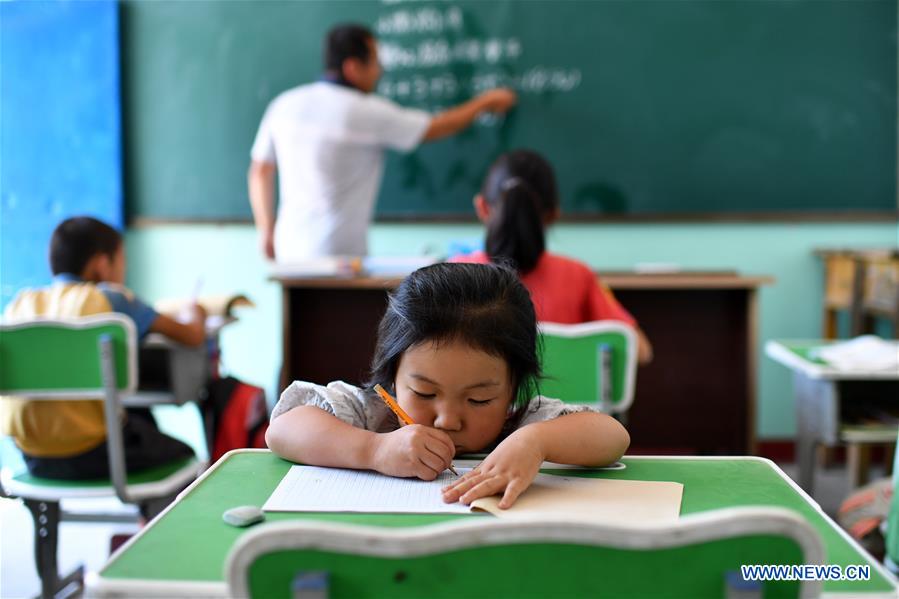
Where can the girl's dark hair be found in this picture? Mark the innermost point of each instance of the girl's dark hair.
(482, 305)
(76, 240)
(521, 192)
(346, 40)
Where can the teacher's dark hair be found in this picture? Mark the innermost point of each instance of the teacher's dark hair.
(484, 306)
(520, 190)
(78, 239)
(346, 40)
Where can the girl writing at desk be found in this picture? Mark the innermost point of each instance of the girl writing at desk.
(458, 347)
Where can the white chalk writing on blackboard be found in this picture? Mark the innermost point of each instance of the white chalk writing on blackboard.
(419, 50)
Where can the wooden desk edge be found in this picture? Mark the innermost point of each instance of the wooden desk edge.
(614, 279)
(337, 282)
(685, 280)
(858, 253)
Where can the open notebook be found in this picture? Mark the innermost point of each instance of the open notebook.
(622, 502)
(215, 305)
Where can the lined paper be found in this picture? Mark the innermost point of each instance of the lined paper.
(618, 502)
(317, 489)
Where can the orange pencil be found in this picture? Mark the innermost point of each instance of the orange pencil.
(400, 413)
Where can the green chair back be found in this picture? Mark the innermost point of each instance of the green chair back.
(592, 363)
(59, 358)
(483, 557)
(95, 358)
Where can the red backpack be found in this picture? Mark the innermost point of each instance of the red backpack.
(235, 415)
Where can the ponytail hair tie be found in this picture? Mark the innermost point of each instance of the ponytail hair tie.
(511, 182)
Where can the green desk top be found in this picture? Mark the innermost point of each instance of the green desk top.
(802, 356)
(190, 541)
(807, 350)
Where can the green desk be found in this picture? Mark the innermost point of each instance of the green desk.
(182, 552)
(825, 396)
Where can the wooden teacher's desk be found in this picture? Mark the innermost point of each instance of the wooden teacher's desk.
(183, 552)
(696, 397)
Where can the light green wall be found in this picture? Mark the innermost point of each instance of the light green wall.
(165, 260)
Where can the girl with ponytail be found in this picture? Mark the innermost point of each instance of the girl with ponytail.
(518, 200)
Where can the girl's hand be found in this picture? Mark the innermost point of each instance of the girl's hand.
(413, 450)
(509, 469)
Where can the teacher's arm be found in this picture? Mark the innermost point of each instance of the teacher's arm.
(459, 117)
(261, 184)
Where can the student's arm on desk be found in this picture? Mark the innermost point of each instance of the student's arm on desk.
(191, 333)
(312, 436)
(261, 188)
(582, 439)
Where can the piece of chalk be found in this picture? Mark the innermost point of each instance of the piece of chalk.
(243, 515)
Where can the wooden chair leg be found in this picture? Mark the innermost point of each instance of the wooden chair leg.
(824, 456)
(46, 537)
(858, 461)
(830, 323)
(889, 451)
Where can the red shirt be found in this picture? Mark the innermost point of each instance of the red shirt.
(565, 291)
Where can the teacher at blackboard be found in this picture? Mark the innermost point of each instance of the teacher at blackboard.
(326, 142)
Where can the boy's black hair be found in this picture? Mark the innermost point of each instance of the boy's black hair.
(520, 189)
(482, 305)
(346, 40)
(78, 239)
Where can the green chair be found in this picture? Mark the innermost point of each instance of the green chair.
(698, 555)
(592, 363)
(94, 358)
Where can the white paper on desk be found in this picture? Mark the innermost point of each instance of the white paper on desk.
(620, 502)
(316, 489)
(867, 352)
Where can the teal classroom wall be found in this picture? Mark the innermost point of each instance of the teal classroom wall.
(165, 260)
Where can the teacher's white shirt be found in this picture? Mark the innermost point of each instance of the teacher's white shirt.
(328, 142)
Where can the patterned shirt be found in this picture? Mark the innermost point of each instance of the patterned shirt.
(363, 408)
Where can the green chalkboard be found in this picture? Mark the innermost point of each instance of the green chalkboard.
(647, 108)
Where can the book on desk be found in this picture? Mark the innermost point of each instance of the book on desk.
(625, 502)
(219, 308)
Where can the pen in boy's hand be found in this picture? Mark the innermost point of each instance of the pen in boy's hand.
(400, 413)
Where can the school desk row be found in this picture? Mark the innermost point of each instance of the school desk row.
(702, 327)
(836, 406)
(735, 511)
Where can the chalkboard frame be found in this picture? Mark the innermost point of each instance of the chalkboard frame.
(462, 212)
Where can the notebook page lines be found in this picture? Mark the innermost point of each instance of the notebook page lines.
(317, 489)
